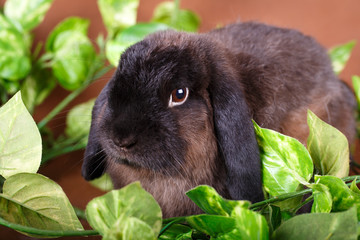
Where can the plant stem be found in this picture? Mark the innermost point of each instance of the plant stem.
(280, 198)
(71, 97)
(61, 106)
(57, 152)
(47, 233)
(299, 193)
(351, 178)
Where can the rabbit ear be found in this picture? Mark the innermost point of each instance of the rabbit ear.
(94, 164)
(236, 137)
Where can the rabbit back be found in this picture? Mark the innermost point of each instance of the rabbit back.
(284, 73)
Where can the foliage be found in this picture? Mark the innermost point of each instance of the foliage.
(116, 214)
(35, 205)
(34, 200)
(20, 139)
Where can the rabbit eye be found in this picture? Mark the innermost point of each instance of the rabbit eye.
(178, 96)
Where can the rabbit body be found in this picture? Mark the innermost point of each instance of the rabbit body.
(233, 74)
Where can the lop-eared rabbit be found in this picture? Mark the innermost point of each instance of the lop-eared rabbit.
(177, 111)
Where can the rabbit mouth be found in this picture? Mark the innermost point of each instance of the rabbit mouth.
(127, 162)
(125, 156)
(153, 160)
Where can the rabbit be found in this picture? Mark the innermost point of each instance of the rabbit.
(178, 110)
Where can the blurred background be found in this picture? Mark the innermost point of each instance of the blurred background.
(331, 22)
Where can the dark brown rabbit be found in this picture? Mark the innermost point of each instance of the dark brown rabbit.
(177, 112)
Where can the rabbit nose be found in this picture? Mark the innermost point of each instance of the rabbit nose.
(128, 142)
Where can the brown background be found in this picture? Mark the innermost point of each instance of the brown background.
(331, 22)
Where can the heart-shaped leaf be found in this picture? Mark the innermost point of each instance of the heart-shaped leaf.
(20, 145)
(33, 200)
(328, 148)
(131, 204)
(286, 162)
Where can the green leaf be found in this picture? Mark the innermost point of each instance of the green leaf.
(286, 162)
(103, 183)
(342, 197)
(328, 148)
(73, 57)
(78, 121)
(118, 14)
(177, 232)
(20, 145)
(124, 39)
(15, 61)
(130, 228)
(249, 225)
(75, 24)
(339, 56)
(34, 200)
(342, 225)
(131, 202)
(183, 20)
(212, 225)
(36, 87)
(322, 198)
(211, 202)
(356, 86)
(29, 13)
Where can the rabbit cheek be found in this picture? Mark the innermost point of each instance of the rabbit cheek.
(202, 163)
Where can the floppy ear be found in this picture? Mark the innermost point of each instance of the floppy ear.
(236, 136)
(94, 164)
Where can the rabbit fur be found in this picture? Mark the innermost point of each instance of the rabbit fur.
(233, 74)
